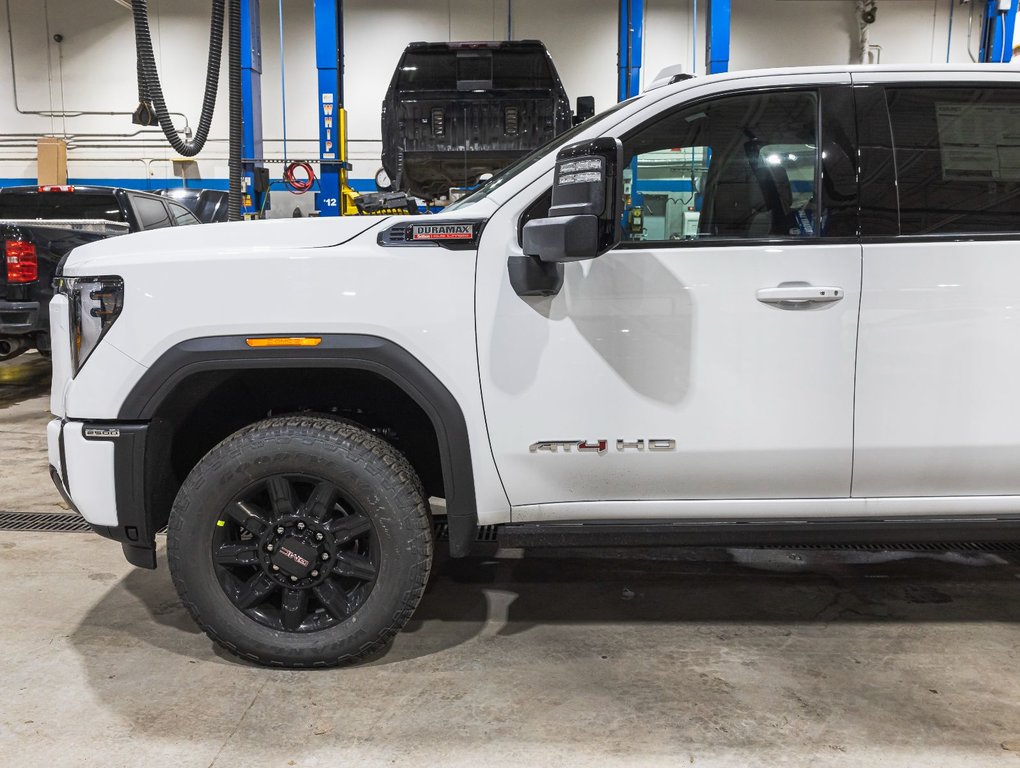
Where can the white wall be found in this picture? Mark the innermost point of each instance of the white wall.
(94, 68)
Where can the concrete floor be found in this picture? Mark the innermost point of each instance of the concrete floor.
(680, 657)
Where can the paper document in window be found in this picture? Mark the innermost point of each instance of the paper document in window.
(979, 141)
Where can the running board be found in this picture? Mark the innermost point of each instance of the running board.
(758, 533)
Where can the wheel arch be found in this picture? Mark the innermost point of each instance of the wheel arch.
(353, 354)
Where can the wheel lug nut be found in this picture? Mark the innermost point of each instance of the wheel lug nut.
(293, 578)
(276, 567)
(280, 529)
(300, 526)
(315, 574)
(318, 537)
(325, 555)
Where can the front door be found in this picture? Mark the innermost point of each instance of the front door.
(711, 354)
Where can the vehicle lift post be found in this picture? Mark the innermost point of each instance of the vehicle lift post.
(717, 49)
(997, 32)
(254, 179)
(628, 60)
(335, 197)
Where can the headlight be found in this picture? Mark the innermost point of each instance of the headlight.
(94, 304)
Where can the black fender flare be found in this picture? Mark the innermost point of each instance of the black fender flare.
(345, 351)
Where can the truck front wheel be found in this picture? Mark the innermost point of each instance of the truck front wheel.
(301, 541)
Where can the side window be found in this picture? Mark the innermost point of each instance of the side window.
(151, 213)
(182, 216)
(880, 207)
(957, 154)
(737, 167)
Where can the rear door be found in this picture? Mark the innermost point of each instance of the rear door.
(937, 409)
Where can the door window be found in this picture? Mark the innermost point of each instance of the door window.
(957, 156)
(182, 216)
(740, 167)
(152, 214)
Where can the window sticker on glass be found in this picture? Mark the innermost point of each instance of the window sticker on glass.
(979, 141)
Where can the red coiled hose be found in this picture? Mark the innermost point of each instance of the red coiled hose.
(299, 186)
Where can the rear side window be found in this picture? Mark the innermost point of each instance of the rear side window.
(59, 205)
(957, 158)
(151, 213)
(182, 216)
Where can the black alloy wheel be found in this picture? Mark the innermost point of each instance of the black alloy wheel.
(294, 554)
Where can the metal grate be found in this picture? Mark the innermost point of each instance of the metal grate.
(44, 522)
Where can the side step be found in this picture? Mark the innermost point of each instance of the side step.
(960, 533)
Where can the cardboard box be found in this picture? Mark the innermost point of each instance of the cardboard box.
(52, 156)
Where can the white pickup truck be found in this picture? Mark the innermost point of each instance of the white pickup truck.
(769, 306)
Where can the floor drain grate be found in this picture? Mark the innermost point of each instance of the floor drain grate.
(44, 522)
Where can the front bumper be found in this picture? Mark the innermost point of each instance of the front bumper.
(18, 318)
(99, 468)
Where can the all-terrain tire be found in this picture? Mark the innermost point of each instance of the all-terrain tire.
(368, 473)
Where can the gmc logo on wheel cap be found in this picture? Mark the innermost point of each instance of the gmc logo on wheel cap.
(303, 562)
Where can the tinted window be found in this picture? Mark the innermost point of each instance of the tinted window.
(880, 212)
(521, 69)
(957, 153)
(737, 167)
(182, 216)
(151, 213)
(506, 69)
(59, 205)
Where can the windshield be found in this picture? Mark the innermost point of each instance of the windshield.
(528, 160)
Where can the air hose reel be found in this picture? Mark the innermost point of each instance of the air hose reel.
(152, 106)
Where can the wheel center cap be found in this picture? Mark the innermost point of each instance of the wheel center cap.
(294, 557)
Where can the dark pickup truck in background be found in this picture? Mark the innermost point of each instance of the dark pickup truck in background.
(456, 111)
(40, 225)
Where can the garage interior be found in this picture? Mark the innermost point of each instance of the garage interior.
(744, 656)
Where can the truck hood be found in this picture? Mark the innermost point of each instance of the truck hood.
(241, 240)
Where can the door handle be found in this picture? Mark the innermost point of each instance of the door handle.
(799, 295)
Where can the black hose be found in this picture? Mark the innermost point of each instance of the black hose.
(236, 114)
(151, 90)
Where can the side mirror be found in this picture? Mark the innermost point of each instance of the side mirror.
(585, 108)
(584, 217)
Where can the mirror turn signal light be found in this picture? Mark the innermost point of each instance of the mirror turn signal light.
(284, 341)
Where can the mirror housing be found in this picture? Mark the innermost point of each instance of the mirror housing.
(584, 217)
(583, 109)
(564, 238)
